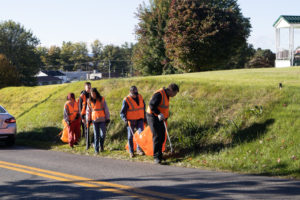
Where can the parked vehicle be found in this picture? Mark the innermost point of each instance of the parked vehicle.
(8, 127)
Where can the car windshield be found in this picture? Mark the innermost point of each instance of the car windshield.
(2, 110)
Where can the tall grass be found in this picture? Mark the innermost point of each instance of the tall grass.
(235, 120)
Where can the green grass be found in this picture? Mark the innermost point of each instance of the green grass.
(235, 120)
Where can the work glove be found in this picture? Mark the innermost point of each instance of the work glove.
(161, 117)
(77, 116)
(107, 121)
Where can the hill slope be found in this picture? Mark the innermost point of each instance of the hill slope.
(235, 120)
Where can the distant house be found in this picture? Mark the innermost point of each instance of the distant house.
(94, 75)
(48, 80)
(56, 73)
(50, 77)
(72, 76)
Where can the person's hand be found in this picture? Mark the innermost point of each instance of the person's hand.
(77, 116)
(83, 120)
(107, 121)
(161, 117)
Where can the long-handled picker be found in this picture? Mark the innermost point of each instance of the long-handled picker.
(168, 137)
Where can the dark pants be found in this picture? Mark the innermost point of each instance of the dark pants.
(83, 127)
(99, 135)
(158, 130)
(139, 125)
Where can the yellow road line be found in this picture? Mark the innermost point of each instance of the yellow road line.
(77, 183)
(107, 184)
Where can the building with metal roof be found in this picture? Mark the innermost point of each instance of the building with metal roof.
(286, 57)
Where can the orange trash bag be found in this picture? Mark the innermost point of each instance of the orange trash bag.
(64, 133)
(145, 141)
(133, 140)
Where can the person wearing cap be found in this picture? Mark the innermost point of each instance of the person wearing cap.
(100, 116)
(157, 114)
(84, 96)
(133, 115)
(72, 118)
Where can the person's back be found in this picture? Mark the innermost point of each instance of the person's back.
(157, 114)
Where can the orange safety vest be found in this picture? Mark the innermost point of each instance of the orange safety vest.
(98, 110)
(135, 111)
(72, 110)
(84, 103)
(163, 106)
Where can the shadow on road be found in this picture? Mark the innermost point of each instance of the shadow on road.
(224, 187)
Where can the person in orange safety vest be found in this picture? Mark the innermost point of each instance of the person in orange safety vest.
(133, 114)
(84, 96)
(99, 116)
(157, 113)
(72, 118)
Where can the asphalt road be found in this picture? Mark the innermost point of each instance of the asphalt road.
(27, 173)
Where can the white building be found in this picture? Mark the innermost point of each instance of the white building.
(286, 57)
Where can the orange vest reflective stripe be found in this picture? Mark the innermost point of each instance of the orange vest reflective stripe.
(84, 103)
(98, 110)
(135, 111)
(163, 106)
(72, 110)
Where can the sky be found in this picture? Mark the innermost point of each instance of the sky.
(114, 21)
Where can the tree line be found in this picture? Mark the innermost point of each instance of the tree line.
(172, 37)
(76, 56)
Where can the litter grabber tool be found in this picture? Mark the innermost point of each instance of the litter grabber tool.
(168, 137)
(87, 135)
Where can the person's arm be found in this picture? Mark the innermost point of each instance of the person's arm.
(66, 114)
(80, 103)
(124, 111)
(145, 119)
(88, 111)
(154, 103)
(106, 111)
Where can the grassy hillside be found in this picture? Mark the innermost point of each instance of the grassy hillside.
(235, 120)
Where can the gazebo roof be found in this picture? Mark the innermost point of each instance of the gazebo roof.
(285, 21)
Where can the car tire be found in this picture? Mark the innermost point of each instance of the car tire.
(10, 142)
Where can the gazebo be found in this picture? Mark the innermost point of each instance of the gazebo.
(291, 56)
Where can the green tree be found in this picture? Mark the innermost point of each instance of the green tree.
(50, 57)
(241, 58)
(149, 56)
(53, 57)
(19, 46)
(262, 59)
(8, 73)
(80, 56)
(204, 34)
(66, 53)
(74, 56)
(97, 48)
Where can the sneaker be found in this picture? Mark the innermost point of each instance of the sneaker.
(157, 161)
(131, 155)
(140, 152)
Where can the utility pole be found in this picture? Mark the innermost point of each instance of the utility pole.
(108, 68)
